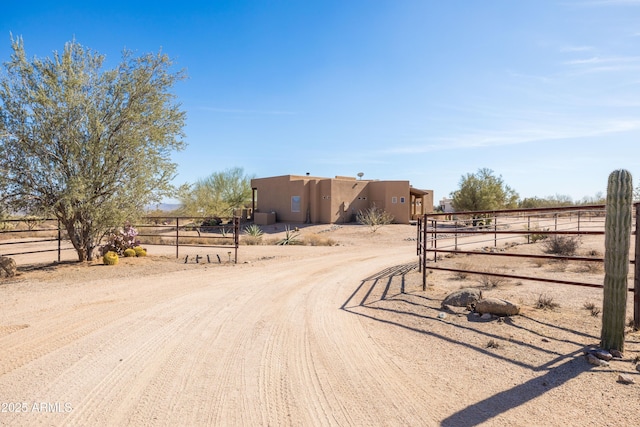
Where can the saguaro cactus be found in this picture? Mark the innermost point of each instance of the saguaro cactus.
(616, 258)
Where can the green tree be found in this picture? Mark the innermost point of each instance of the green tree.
(483, 191)
(88, 145)
(217, 195)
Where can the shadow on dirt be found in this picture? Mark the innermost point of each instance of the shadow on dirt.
(383, 297)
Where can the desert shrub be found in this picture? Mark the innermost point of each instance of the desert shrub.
(120, 240)
(110, 258)
(559, 265)
(140, 251)
(545, 302)
(591, 307)
(561, 245)
(461, 275)
(536, 237)
(129, 252)
(591, 267)
(488, 280)
(374, 217)
(493, 344)
(318, 240)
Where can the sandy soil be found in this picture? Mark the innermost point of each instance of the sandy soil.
(326, 335)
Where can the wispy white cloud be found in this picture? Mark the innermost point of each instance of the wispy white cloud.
(534, 133)
(600, 64)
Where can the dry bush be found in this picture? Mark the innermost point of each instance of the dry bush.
(590, 267)
(251, 240)
(559, 266)
(318, 240)
(493, 344)
(591, 307)
(461, 275)
(538, 262)
(488, 280)
(561, 245)
(545, 302)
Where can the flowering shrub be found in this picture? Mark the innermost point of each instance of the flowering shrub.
(120, 240)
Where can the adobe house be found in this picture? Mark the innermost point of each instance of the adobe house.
(306, 199)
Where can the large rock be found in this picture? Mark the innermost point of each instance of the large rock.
(463, 298)
(7, 267)
(497, 306)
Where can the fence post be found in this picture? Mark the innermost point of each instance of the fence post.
(424, 252)
(177, 235)
(59, 242)
(495, 231)
(636, 275)
(419, 244)
(236, 235)
(578, 220)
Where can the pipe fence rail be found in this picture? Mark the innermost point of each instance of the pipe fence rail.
(478, 233)
(25, 234)
(189, 232)
(29, 235)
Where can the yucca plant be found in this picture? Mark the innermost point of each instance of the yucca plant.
(290, 237)
(253, 230)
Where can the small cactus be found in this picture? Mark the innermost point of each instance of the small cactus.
(617, 239)
(140, 251)
(130, 252)
(110, 258)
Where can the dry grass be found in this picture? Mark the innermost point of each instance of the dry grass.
(545, 302)
(318, 240)
(488, 280)
(592, 308)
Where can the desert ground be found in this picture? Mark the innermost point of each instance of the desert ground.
(306, 336)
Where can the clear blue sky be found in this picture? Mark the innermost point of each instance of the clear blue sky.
(545, 93)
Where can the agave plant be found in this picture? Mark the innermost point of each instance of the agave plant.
(253, 230)
(290, 237)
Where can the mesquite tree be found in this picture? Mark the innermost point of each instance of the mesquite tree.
(616, 258)
(88, 145)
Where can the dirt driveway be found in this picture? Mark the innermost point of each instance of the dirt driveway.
(305, 336)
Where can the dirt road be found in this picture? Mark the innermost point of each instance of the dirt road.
(299, 336)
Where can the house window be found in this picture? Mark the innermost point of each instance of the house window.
(295, 203)
(401, 199)
(394, 200)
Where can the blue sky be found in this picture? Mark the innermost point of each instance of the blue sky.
(545, 93)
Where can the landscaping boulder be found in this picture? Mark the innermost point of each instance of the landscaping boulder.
(463, 298)
(7, 267)
(497, 306)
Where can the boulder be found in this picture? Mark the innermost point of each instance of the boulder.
(463, 298)
(497, 306)
(7, 267)
(593, 360)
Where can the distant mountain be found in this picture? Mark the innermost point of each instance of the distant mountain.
(165, 207)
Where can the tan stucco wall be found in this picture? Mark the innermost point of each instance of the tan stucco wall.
(326, 200)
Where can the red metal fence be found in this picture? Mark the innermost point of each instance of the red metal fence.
(477, 233)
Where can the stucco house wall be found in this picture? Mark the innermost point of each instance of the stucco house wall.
(330, 200)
